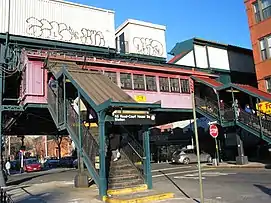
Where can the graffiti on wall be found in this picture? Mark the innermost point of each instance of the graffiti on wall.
(63, 32)
(148, 46)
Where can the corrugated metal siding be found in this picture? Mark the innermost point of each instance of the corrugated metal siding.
(59, 20)
(99, 87)
(255, 91)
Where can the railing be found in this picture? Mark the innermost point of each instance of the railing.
(60, 103)
(72, 120)
(210, 107)
(52, 104)
(133, 150)
(253, 121)
(5, 198)
(90, 145)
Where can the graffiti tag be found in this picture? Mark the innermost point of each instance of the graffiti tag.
(62, 32)
(148, 46)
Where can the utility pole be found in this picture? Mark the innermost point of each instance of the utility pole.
(197, 146)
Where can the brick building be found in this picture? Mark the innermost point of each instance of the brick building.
(52, 147)
(259, 20)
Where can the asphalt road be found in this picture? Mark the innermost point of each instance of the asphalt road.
(224, 185)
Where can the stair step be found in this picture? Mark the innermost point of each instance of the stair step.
(123, 178)
(142, 196)
(129, 171)
(129, 183)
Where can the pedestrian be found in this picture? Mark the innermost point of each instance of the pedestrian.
(236, 108)
(8, 166)
(114, 143)
(222, 108)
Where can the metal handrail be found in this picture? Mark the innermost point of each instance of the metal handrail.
(141, 157)
(254, 122)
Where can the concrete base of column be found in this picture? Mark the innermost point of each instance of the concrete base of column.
(81, 181)
(241, 160)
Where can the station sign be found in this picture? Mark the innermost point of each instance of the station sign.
(134, 118)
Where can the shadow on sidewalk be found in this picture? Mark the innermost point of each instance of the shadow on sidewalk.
(22, 180)
(185, 194)
(264, 189)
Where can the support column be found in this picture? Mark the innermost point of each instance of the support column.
(81, 179)
(64, 97)
(102, 171)
(147, 159)
(241, 159)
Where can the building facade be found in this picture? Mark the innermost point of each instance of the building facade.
(232, 64)
(259, 20)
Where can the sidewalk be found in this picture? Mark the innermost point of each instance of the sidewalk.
(233, 165)
(64, 192)
(53, 192)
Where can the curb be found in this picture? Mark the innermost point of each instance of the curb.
(236, 166)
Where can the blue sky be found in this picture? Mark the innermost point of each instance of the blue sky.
(223, 21)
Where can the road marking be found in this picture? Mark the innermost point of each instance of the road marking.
(181, 172)
(206, 174)
(186, 177)
(168, 169)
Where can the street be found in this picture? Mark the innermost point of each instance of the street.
(226, 185)
(222, 185)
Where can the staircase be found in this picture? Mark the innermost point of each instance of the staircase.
(121, 174)
(252, 123)
(249, 122)
(90, 145)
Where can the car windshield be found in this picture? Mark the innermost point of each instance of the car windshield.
(31, 161)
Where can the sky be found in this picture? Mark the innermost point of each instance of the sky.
(223, 21)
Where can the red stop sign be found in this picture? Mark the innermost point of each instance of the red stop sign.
(213, 130)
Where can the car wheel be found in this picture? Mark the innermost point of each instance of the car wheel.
(186, 161)
(209, 159)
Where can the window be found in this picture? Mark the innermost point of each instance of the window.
(112, 76)
(266, 5)
(265, 46)
(174, 85)
(126, 80)
(268, 84)
(164, 85)
(185, 86)
(151, 83)
(257, 12)
(138, 82)
(262, 11)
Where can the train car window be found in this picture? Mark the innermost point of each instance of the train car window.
(164, 84)
(112, 76)
(174, 85)
(138, 82)
(151, 83)
(126, 80)
(185, 86)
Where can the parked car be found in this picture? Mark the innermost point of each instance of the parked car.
(52, 162)
(186, 156)
(66, 161)
(31, 165)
